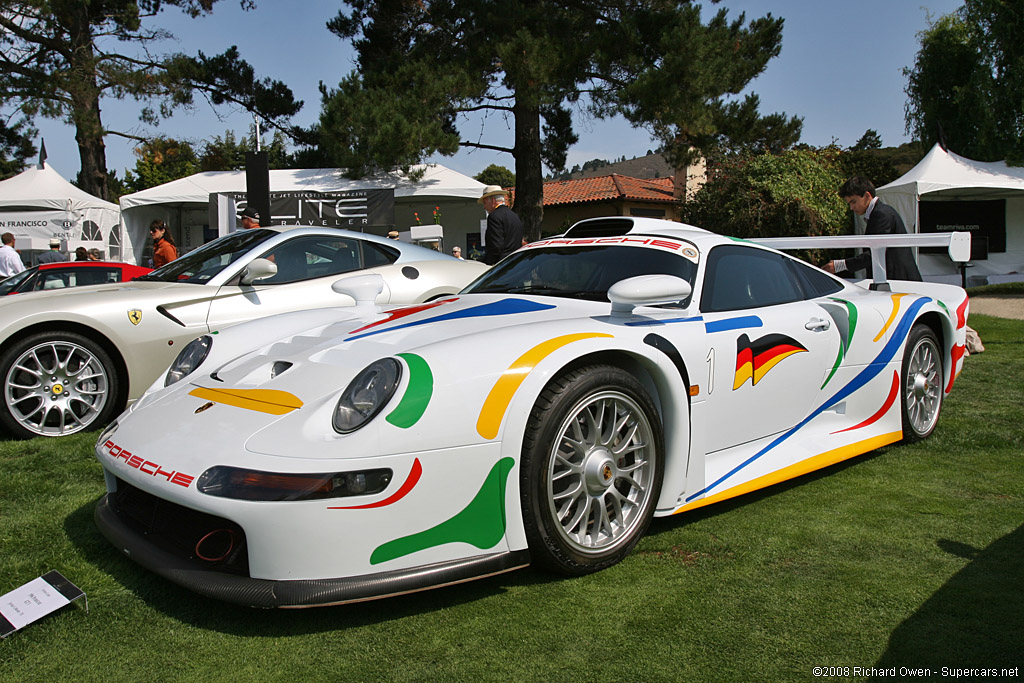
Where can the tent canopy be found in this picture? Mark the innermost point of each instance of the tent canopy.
(41, 187)
(957, 177)
(196, 189)
(38, 205)
(943, 176)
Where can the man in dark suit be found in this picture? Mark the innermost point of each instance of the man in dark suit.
(859, 194)
(504, 229)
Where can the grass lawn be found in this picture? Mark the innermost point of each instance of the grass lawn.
(911, 556)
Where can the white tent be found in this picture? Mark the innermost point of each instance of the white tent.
(184, 204)
(38, 204)
(942, 176)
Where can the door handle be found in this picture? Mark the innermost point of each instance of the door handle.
(817, 325)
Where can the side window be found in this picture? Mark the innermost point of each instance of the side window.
(95, 276)
(814, 282)
(739, 277)
(53, 280)
(306, 258)
(374, 255)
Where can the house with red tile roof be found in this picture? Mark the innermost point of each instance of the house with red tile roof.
(569, 201)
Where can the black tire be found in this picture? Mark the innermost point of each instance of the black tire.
(584, 508)
(55, 384)
(921, 384)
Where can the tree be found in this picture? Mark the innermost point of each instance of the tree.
(966, 87)
(496, 175)
(228, 153)
(15, 147)
(868, 158)
(870, 140)
(423, 65)
(59, 59)
(160, 161)
(771, 195)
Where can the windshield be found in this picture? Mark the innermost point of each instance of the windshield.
(11, 284)
(199, 265)
(579, 272)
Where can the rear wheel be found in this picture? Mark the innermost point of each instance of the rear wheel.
(921, 389)
(55, 384)
(591, 470)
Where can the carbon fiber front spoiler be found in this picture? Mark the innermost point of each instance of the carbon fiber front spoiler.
(243, 590)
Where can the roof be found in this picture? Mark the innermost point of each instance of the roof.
(943, 171)
(608, 188)
(41, 187)
(436, 181)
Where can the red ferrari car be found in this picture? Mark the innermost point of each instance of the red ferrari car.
(70, 274)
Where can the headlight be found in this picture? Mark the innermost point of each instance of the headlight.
(242, 484)
(366, 395)
(190, 358)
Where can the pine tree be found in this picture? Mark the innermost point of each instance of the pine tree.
(422, 65)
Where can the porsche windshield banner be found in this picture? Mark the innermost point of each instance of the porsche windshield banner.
(350, 209)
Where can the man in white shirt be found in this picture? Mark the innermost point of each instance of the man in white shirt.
(10, 260)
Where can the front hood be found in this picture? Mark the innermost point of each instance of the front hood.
(128, 293)
(278, 400)
(321, 360)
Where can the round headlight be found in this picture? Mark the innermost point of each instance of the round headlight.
(190, 358)
(366, 395)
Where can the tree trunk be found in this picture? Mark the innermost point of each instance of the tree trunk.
(85, 105)
(529, 204)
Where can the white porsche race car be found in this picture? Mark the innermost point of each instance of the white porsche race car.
(71, 358)
(627, 369)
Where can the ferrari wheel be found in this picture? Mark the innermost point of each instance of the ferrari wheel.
(55, 384)
(921, 389)
(591, 469)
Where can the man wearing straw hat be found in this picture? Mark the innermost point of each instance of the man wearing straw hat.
(54, 255)
(504, 229)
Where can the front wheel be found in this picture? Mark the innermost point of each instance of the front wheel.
(55, 384)
(921, 389)
(591, 469)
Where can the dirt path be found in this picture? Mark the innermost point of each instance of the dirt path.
(1009, 306)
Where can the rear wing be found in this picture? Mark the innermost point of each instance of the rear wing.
(958, 245)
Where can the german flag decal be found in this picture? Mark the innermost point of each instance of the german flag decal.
(755, 358)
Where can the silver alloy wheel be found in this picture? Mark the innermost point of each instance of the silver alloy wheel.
(56, 388)
(600, 472)
(923, 386)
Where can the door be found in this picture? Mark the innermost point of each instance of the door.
(307, 266)
(769, 347)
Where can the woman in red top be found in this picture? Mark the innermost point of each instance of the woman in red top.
(164, 250)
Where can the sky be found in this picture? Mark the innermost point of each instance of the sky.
(840, 69)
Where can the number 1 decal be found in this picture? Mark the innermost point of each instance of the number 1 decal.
(711, 370)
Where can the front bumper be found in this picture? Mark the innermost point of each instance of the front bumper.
(243, 590)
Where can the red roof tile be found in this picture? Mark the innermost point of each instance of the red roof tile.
(608, 187)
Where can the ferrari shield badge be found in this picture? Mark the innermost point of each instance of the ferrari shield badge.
(135, 316)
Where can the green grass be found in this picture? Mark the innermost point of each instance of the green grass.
(1002, 289)
(908, 556)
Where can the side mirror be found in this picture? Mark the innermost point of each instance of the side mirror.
(647, 290)
(259, 269)
(363, 288)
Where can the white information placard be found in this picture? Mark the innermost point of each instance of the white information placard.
(34, 600)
